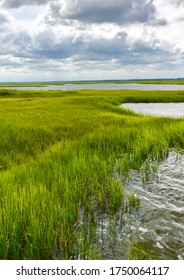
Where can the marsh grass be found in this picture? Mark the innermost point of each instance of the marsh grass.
(141, 251)
(133, 200)
(58, 152)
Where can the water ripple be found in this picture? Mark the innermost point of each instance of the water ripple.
(159, 221)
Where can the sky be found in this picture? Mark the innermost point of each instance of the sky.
(46, 40)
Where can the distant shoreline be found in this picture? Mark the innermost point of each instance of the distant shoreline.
(178, 81)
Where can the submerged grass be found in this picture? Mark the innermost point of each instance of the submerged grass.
(62, 155)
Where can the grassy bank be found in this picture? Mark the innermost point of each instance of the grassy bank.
(60, 83)
(22, 84)
(62, 155)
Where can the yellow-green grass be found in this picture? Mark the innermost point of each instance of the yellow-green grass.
(62, 155)
(22, 84)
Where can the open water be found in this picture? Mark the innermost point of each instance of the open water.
(105, 86)
(175, 110)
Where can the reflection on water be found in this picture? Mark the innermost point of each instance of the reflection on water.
(157, 109)
(158, 222)
(105, 86)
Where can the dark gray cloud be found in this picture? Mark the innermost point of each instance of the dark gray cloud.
(18, 3)
(50, 51)
(106, 11)
(84, 47)
(81, 47)
(140, 52)
(47, 46)
(98, 49)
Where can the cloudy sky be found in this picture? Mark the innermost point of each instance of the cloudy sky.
(91, 39)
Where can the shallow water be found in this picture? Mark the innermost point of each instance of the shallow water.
(158, 222)
(105, 86)
(175, 110)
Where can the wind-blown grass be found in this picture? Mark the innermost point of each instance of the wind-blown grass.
(62, 155)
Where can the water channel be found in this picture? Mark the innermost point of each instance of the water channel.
(105, 86)
(175, 110)
(159, 221)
